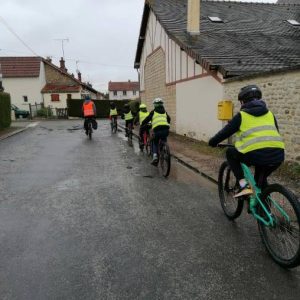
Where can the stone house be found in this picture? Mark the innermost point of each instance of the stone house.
(125, 90)
(196, 53)
(31, 80)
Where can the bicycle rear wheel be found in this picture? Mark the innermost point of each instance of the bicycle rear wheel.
(228, 186)
(148, 145)
(282, 240)
(130, 134)
(165, 159)
(90, 130)
(115, 126)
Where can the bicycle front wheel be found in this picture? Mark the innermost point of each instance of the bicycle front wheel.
(228, 186)
(165, 159)
(282, 239)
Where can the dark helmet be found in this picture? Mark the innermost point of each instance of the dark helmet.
(249, 93)
(87, 97)
(126, 105)
(112, 105)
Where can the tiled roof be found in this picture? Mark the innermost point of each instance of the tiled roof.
(253, 37)
(123, 86)
(57, 88)
(20, 66)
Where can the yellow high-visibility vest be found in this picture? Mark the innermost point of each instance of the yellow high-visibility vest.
(257, 133)
(128, 116)
(143, 116)
(113, 112)
(159, 120)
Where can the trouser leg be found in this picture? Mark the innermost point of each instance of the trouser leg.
(234, 159)
(262, 173)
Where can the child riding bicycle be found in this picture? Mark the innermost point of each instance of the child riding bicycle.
(113, 113)
(258, 141)
(89, 113)
(128, 116)
(140, 117)
(160, 121)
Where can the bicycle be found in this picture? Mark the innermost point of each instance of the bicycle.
(146, 142)
(114, 124)
(164, 157)
(89, 129)
(275, 208)
(129, 134)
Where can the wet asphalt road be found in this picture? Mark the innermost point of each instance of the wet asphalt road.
(84, 219)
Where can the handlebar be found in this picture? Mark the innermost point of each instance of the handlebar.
(225, 145)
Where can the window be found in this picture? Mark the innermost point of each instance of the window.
(134, 92)
(54, 97)
(25, 98)
(115, 93)
(69, 96)
(124, 93)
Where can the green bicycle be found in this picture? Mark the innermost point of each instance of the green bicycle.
(276, 209)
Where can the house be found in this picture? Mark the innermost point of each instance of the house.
(195, 53)
(31, 80)
(123, 90)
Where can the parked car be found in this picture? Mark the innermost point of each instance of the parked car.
(20, 113)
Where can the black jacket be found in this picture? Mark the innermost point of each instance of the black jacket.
(160, 110)
(263, 156)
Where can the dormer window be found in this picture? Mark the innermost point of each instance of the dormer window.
(293, 22)
(215, 19)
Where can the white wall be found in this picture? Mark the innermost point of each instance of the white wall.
(62, 103)
(120, 95)
(19, 87)
(197, 107)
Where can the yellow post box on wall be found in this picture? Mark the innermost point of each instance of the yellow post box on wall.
(225, 110)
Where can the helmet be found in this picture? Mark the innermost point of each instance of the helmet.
(143, 105)
(112, 105)
(87, 97)
(158, 102)
(249, 93)
(126, 105)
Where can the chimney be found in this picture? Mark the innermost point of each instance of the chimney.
(49, 59)
(193, 17)
(79, 76)
(62, 65)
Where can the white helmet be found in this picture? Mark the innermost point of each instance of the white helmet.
(158, 101)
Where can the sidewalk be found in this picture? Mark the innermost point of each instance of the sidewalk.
(15, 128)
(206, 161)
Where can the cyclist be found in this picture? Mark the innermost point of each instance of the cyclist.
(128, 116)
(258, 141)
(140, 117)
(113, 113)
(89, 113)
(160, 121)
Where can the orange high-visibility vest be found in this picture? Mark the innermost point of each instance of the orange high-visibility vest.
(88, 109)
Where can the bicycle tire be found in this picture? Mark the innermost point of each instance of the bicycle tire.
(165, 159)
(227, 186)
(291, 227)
(148, 146)
(90, 130)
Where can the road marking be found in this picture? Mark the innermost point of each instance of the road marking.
(33, 124)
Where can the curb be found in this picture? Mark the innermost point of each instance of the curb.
(13, 133)
(183, 162)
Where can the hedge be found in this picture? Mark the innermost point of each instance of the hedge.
(5, 110)
(102, 106)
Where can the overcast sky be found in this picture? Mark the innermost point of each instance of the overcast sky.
(102, 34)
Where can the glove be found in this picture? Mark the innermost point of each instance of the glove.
(212, 143)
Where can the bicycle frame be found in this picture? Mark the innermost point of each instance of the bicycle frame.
(255, 200)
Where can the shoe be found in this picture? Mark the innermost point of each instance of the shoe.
(244, 191)
(154, 160)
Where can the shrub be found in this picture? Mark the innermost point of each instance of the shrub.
(44, 112)
(5, 110)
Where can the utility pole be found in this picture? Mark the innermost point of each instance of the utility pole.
(62, 45)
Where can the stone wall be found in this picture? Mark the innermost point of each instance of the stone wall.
(56, 77)
(155, 85)
(281, 91)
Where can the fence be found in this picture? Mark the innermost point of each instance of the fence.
(39, 110)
